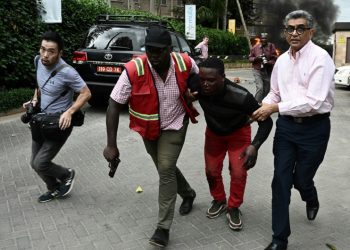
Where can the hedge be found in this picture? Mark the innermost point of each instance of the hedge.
(14, 98)
(21, 27)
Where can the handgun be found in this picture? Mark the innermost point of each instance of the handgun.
(113, 165)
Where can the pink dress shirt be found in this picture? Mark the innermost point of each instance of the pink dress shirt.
(171, 110)
(303, 86)
(204, 49)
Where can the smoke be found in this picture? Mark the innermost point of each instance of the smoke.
(324, 12)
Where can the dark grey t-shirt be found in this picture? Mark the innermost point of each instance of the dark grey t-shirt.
(67, 78)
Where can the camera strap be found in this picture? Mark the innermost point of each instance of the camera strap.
(53, 73)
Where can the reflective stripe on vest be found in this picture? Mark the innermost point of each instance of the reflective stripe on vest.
(145, 117)
(141, 70)
(180, 62)
(139, 66)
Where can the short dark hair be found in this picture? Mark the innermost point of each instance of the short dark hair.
(53, 37)
(214, 63)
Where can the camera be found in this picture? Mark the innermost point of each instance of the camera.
(30, 111)
(264, 60)
(113, 165)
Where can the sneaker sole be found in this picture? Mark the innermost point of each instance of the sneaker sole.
(156, 244)
(45, 200)
(213, 216)
(71, 186)
(235, 227)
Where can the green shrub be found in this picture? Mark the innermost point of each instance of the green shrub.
(18, 28)
(220, 42)
(77, 17)
(14, 98)
(21, 28)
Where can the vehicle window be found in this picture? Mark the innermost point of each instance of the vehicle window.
(115, 38)
(184, 45)
(175, 43)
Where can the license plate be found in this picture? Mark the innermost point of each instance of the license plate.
(109, 69)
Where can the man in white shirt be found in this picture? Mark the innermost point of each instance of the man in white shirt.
(302, 92)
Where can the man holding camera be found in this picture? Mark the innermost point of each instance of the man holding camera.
(57, 83)
(262, 56)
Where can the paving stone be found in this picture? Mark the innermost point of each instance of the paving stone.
(106, 213)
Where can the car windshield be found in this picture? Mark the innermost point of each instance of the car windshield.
(115, 38)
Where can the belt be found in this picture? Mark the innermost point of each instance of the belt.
(307, 118)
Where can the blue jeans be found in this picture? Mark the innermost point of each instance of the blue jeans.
(298, 149)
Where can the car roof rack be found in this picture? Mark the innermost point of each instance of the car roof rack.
(139, 19)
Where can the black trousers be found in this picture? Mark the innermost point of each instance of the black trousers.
(299, 149)
(43, 152)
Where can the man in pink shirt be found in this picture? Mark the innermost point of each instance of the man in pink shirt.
(302, 92)
(203, 45)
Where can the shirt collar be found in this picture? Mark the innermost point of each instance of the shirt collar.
(171, 68)
(172, 63)
(302, 50)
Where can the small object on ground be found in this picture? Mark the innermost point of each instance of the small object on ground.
(330, 246)
(139, 189)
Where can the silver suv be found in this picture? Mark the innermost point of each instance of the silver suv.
(109, 44)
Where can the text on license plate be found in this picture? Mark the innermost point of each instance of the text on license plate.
(109, 69)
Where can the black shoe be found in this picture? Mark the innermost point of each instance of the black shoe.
(187, 203)
(275, 246)
(216, 208)
(67, 184)
(234, 218)
(312, 209)
(49, 196)
(160, 237)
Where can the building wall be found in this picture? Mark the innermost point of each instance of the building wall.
(339, 47)
(165, 8)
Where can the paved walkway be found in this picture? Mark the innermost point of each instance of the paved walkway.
(104, 213)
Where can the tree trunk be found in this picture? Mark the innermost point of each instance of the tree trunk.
(224, 18)
(158, 7)
(243, 22)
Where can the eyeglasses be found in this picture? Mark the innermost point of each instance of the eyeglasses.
(299, 29)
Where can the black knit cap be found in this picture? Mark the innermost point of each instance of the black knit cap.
(158, 37)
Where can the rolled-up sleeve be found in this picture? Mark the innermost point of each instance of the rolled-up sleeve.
(122, 89)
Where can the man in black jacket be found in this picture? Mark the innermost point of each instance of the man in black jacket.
(227, 108)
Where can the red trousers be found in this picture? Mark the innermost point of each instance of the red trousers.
(215, 149)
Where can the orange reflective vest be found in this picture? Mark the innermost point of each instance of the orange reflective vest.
(144, 103)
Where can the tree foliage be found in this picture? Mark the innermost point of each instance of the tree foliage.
(21, 28)
(210, 12)
(19, 25)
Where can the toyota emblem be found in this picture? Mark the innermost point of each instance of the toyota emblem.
(108, 56)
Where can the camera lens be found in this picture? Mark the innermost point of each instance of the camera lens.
(25, 118)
